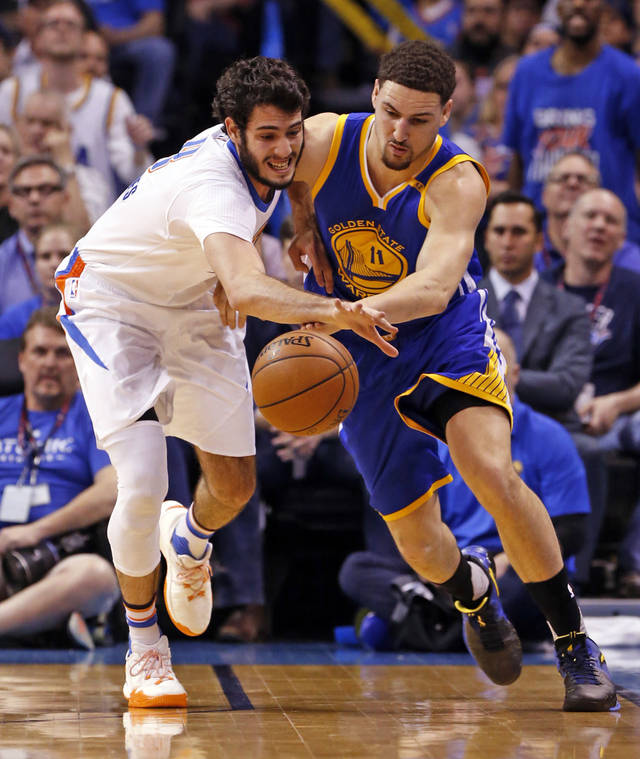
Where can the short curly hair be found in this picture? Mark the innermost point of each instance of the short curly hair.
(419, 65)
(258, 81)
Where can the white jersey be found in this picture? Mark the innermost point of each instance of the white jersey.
(150, 242)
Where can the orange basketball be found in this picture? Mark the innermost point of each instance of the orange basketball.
(305, 382)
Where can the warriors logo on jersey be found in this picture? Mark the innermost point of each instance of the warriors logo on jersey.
(369, 261)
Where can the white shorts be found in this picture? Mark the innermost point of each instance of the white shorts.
(133, 356)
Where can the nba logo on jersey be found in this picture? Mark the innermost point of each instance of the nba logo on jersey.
(72, 288)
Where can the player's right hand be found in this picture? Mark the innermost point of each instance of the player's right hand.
(364, 320)
(308, 244)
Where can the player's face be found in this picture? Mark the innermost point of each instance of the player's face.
(579, 19)
(596, 228)
(269, 147)
(567, 180)
(406, 124)
(47, 367)
(511, 240)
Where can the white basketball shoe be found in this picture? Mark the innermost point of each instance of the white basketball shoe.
(150, 680)
(187, 586)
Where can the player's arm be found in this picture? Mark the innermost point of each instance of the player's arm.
(249, 290)
(318, 134)
(455, 202)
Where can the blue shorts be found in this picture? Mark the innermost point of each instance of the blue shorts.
(390, 433)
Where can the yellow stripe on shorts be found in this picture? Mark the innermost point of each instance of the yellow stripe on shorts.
(489, 385)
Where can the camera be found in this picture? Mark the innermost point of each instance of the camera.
(24, 566)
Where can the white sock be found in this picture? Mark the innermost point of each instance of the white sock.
(479, 580)
(189, 537)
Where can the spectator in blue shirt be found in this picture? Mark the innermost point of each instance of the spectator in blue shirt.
(55, 486)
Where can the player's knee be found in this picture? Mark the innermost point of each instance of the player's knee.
(235, 489)
(133, 526)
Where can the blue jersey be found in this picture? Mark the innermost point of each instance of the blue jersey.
(374, 242)
(71, 457)
(596, 111)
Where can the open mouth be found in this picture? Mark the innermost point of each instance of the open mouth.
(280, 166)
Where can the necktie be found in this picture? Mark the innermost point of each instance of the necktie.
(510, 319)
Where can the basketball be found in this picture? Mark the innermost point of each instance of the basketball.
(305, 382)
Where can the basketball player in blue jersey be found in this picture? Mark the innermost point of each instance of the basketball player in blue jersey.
(396, 207)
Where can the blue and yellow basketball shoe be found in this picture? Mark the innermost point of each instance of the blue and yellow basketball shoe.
(488, 634)
(587, 682)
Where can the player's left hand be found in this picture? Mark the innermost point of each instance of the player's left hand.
(229, 316)
(18, 536)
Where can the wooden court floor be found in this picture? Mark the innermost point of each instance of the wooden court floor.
(272, 711)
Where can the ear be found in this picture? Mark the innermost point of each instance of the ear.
(446, 112)
(375, 93)
(233, 130)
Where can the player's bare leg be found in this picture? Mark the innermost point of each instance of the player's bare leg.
(480, 444)
(225, 487)
(430, 548)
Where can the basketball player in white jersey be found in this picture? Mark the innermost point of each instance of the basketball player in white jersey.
(155, 359)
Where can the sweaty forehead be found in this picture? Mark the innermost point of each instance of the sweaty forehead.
(406, 100)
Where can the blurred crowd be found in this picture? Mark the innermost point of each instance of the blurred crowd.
(547, 99)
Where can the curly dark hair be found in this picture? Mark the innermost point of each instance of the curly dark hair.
(258, 81)
(419, 65)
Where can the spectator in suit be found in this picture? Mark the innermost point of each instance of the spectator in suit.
(549, 328)
(595, 229)
(66, 486)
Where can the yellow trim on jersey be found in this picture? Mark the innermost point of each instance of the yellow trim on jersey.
(111, 108)
(461, 158)
(382, 201)
(414, 505)
(333, 154)
(81, 100)
(363, 160)
(489, 385)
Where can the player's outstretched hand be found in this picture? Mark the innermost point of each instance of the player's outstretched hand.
(309, 244)
(229, 317)
(364, 320)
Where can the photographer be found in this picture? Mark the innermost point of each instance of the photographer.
(55, 485)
